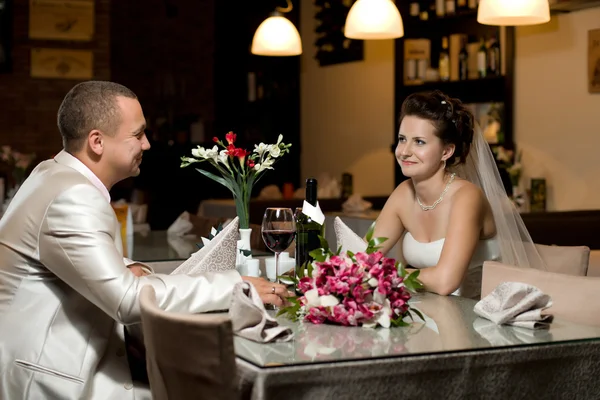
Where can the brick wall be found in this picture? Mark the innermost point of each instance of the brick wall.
(28, 105)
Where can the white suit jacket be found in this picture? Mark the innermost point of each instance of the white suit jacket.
(65, 291)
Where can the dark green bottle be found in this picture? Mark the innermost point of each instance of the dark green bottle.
(307, 231)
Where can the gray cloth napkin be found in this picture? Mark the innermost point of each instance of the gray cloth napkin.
(517, 304)
(250, 319)
(503, 335)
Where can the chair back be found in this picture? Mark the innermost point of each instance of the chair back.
(569, 260)
(189, 356)
(572, 296)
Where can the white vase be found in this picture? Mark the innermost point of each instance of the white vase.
(243, 244)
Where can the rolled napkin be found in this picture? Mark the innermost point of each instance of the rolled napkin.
(218, 254)
(250, 319)
(182, 225)
(356, 204)
(517, 304)
(347, 238)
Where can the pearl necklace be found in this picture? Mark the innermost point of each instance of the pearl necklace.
(431, 207)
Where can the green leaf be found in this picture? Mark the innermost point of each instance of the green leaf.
(309, 268)
(287, 280)
(318, 255)
(324, 244)
(417, 312)
(377, 241)
(399, 322)
(350, 254)
(370, 232)
(300, 271)
(218, 179)
(339, 250)
(245, 252)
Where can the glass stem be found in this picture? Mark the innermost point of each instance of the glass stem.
(276, 266)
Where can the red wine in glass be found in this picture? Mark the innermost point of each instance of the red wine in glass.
(278, 240)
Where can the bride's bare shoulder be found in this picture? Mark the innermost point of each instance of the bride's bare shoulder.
(467, 192)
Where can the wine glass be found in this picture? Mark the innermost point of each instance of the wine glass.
(278, 229)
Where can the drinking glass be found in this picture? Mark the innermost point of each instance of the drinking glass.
(278, 229)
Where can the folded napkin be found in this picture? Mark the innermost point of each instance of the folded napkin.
(356, 204)
(517, 304)
(347, 238)
(182, 225)
(218, 254)
(250, 319)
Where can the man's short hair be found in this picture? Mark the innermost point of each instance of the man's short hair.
(88, 106)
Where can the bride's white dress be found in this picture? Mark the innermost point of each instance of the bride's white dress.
(424, 255)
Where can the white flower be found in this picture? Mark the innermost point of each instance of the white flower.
(267, 164)
(314, 300)
(373, 282)
(212, 153)
(274, 150)
(384, 315)
(279, 139)
(260, 149)
(223, 157)
(201, 152)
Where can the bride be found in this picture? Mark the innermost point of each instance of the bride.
(453, 213)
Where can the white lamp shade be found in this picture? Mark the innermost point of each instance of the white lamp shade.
(513, 12)
(374, 19)
(276, 36)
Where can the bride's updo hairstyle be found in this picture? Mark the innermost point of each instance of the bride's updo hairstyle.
(453, 121)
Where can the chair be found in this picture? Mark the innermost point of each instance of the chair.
(569, 260)
(189, 356)
(572, 296)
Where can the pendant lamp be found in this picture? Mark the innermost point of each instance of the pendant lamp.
(513, 12)
(277, 36)
(374, 19)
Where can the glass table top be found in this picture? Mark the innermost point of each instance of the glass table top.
(451, 325)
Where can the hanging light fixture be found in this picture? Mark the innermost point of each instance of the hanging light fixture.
(513, 12)
(374, 19)
(277, 36)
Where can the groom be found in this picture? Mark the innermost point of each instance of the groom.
(65, 289)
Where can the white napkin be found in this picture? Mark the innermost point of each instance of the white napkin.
(517, 304)
(356, 204)
(219, 254)
(182, 225)
(250, 319)
(347, 238)
(139, 212)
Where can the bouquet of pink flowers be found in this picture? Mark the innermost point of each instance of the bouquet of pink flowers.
(363, 289)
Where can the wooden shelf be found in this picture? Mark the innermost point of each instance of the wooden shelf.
(469, 91)
(573, 5)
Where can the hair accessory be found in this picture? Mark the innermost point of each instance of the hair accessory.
(443, 101)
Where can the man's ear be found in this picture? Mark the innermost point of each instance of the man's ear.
(448, 151)
(96, 142)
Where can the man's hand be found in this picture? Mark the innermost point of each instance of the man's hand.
(270, 293)
(137, 269)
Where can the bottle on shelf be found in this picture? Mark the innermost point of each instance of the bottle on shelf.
(463, 61)
(440, 9)
(424, 10)
(450, 7)
(494, 57)
(472, 4)
(461, 5)
(307, 229)
(444, 64)
(482, 59)
(414, 9)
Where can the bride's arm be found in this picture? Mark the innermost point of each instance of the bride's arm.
(462, 235)
(389, 224)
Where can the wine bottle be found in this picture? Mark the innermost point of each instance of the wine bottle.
(414, 9)
(482, 59)
(444, 65)
(307, 230)
(494, 57)
(463, 61)
(450, 7)
(440, 10)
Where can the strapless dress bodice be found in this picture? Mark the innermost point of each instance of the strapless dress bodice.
(427, 254)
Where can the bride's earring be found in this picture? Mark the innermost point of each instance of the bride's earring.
(443, 164)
